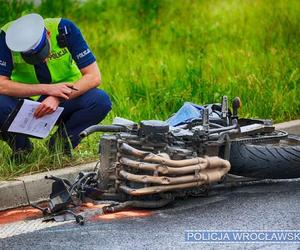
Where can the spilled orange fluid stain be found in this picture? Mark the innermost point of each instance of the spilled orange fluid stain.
(125, 214)
(19, 214)
(26, 213)
(90, 205)
(117, 215)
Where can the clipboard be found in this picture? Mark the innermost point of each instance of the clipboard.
(22, 121)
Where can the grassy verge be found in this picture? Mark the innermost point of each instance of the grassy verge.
(156, 54)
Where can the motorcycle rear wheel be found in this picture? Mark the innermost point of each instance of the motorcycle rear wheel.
(266, 159)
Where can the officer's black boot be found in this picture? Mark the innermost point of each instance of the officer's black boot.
(59, 142)
(21, 146)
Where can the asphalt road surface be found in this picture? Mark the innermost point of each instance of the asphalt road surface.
(255, 207)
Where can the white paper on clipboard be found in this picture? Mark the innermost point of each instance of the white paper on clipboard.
(26, 123)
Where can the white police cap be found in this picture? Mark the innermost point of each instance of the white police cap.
(25, 33)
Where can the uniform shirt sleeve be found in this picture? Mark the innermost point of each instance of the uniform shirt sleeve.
(6, 64)
(76, 44)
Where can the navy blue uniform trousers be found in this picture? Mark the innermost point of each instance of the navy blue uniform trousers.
(78, 114)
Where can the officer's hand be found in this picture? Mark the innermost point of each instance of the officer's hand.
(48, 106)
(61, 90)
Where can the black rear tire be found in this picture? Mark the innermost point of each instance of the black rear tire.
(267, 160)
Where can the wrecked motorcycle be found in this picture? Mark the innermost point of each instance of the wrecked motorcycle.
(147, 165)
(150, 163)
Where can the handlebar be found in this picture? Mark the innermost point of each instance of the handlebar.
(223, 129)
(102, 128)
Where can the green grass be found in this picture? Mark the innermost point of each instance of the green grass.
(154, 55)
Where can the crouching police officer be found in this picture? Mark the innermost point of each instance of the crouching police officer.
(49, 61)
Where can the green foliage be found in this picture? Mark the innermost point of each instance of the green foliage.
(12, 9)
(50, 8)
(156, 54)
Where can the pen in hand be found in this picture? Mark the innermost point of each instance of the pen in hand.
(73, 88)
